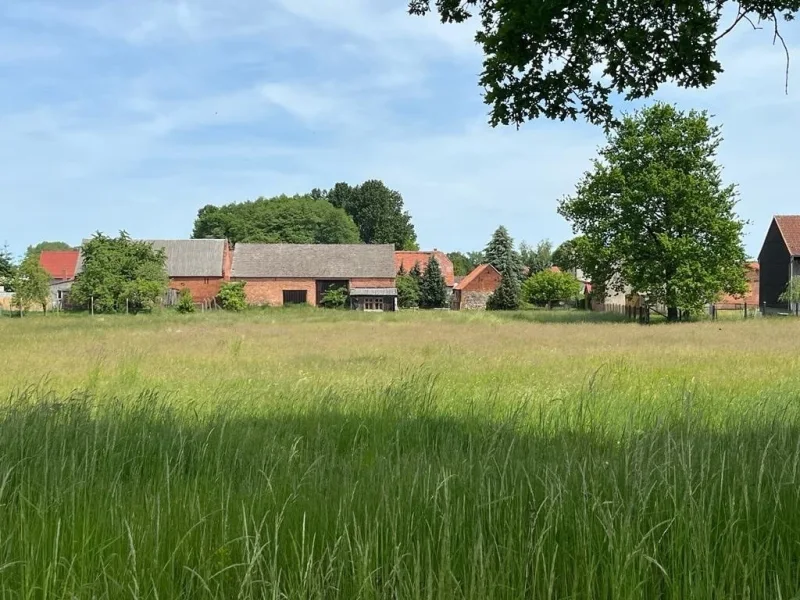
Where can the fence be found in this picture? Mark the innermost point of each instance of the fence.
(748, 311)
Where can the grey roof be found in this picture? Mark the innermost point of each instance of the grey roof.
(318, 261)
(373, 291)
(186, 258)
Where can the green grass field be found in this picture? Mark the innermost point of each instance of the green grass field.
(310, 454)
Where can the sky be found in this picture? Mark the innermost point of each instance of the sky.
(134, 115)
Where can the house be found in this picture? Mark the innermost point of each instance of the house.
(406, 259)
(201, 266)
(280, 274)
(779, 260)
(60, 264)
(751, 298)
(473, 291)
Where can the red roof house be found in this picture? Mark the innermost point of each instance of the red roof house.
(473, 291)
(60, 264)
(408, 258)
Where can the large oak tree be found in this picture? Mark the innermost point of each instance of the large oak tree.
(654, 213)
(565, 58)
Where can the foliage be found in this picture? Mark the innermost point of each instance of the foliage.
(43, 246)
(232, 296)
(31, 284)
(407, 291)
(565, 256)
(506, 296)
(546, 288)
(7, 269)
(500, 252)
(791, 295)
(461, 264)
(543, 61)
(120, 274)
(416, 274)
(377, 212)
(335, 297)
(283, 219)
(538, 258)
(654, 211)
(432, 290)
(185, 301)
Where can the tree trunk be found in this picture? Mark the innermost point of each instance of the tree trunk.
(672, 314)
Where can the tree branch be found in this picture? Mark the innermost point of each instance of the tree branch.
(777, 36)
(741, 15)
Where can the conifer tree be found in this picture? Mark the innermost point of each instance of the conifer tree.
(433, 293)
(506, 296)
(500, 251)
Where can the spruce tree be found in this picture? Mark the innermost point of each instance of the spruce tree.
(416, 273)
(432, 292)
(506, 296)
(500, 252)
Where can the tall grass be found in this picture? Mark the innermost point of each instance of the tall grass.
(297, 459)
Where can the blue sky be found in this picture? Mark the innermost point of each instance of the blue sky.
(133, 115)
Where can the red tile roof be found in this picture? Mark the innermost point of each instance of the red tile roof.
(59, 263)
(474, 274)
(752, 297)
(408, 258)
(789, 226)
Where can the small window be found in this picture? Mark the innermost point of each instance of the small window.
(371, 303)
(294, 296)
(206, 280)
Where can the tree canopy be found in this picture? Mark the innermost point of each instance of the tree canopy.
(462, 265)
(284, 219)
(120, 274)
(500, 252)
(546, 288)
(43, 246)
(654, 213)
(377, 212)
(7, 269)
(565, 256)
(536, 258)
(31, 284)
(432, 290)
(562, 59)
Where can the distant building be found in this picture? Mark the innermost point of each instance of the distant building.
(280, 274)
(779, 260)
(473, 291)
(752, 296)
(406, 259)
(60, 264)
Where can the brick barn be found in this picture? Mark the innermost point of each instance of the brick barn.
(408, 258)
(473, 291)
(280, 274)
(200, 266)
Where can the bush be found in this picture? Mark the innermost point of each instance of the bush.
(232, 296)
(407, 291)
(548, 287)
(335, 297)
(185, 301)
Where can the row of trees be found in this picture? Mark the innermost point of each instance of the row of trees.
(370, 213)
(423, 289)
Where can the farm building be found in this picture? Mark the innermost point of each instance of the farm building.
(473, 291)
(779, 259)
(280, 274)
(60, 264)
(751, 298)
(406, 259)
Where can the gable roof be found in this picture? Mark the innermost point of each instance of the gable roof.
(408, 258)
(315, 261)
(61, 264)
(789, 227)
(474, 274)
(188, 258)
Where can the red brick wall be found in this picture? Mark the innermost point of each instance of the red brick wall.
(388, 282)
(488, 281)
(203, 288)
(270, 291)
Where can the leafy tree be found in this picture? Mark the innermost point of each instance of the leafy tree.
(538, 258)
(461, 264)
(42, 246)
(120, 274)
(185, 301)
(476, 258)
(7, 269)
(377, 211)
(31, 285)
(407, 291)
(335, 297)
(548, 287)
(432, 290)
(541, 58)
(232, 296)
(654, 213)
(506, 296)
(565, 257)
(791, 295)
(284, 219)
(500, 252)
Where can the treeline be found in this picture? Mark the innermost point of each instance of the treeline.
(370, 213)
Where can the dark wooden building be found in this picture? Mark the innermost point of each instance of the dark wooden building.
(779, 260)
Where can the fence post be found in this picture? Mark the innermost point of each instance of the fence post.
(92, 305)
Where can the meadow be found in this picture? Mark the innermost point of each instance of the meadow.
(313, 454)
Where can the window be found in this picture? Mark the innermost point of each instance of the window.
(375, 303)
(294, 296)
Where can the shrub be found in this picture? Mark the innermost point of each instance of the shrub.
(335, 297)
(407, 291)
(232, 297)
(185, 301)
(547, 287)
